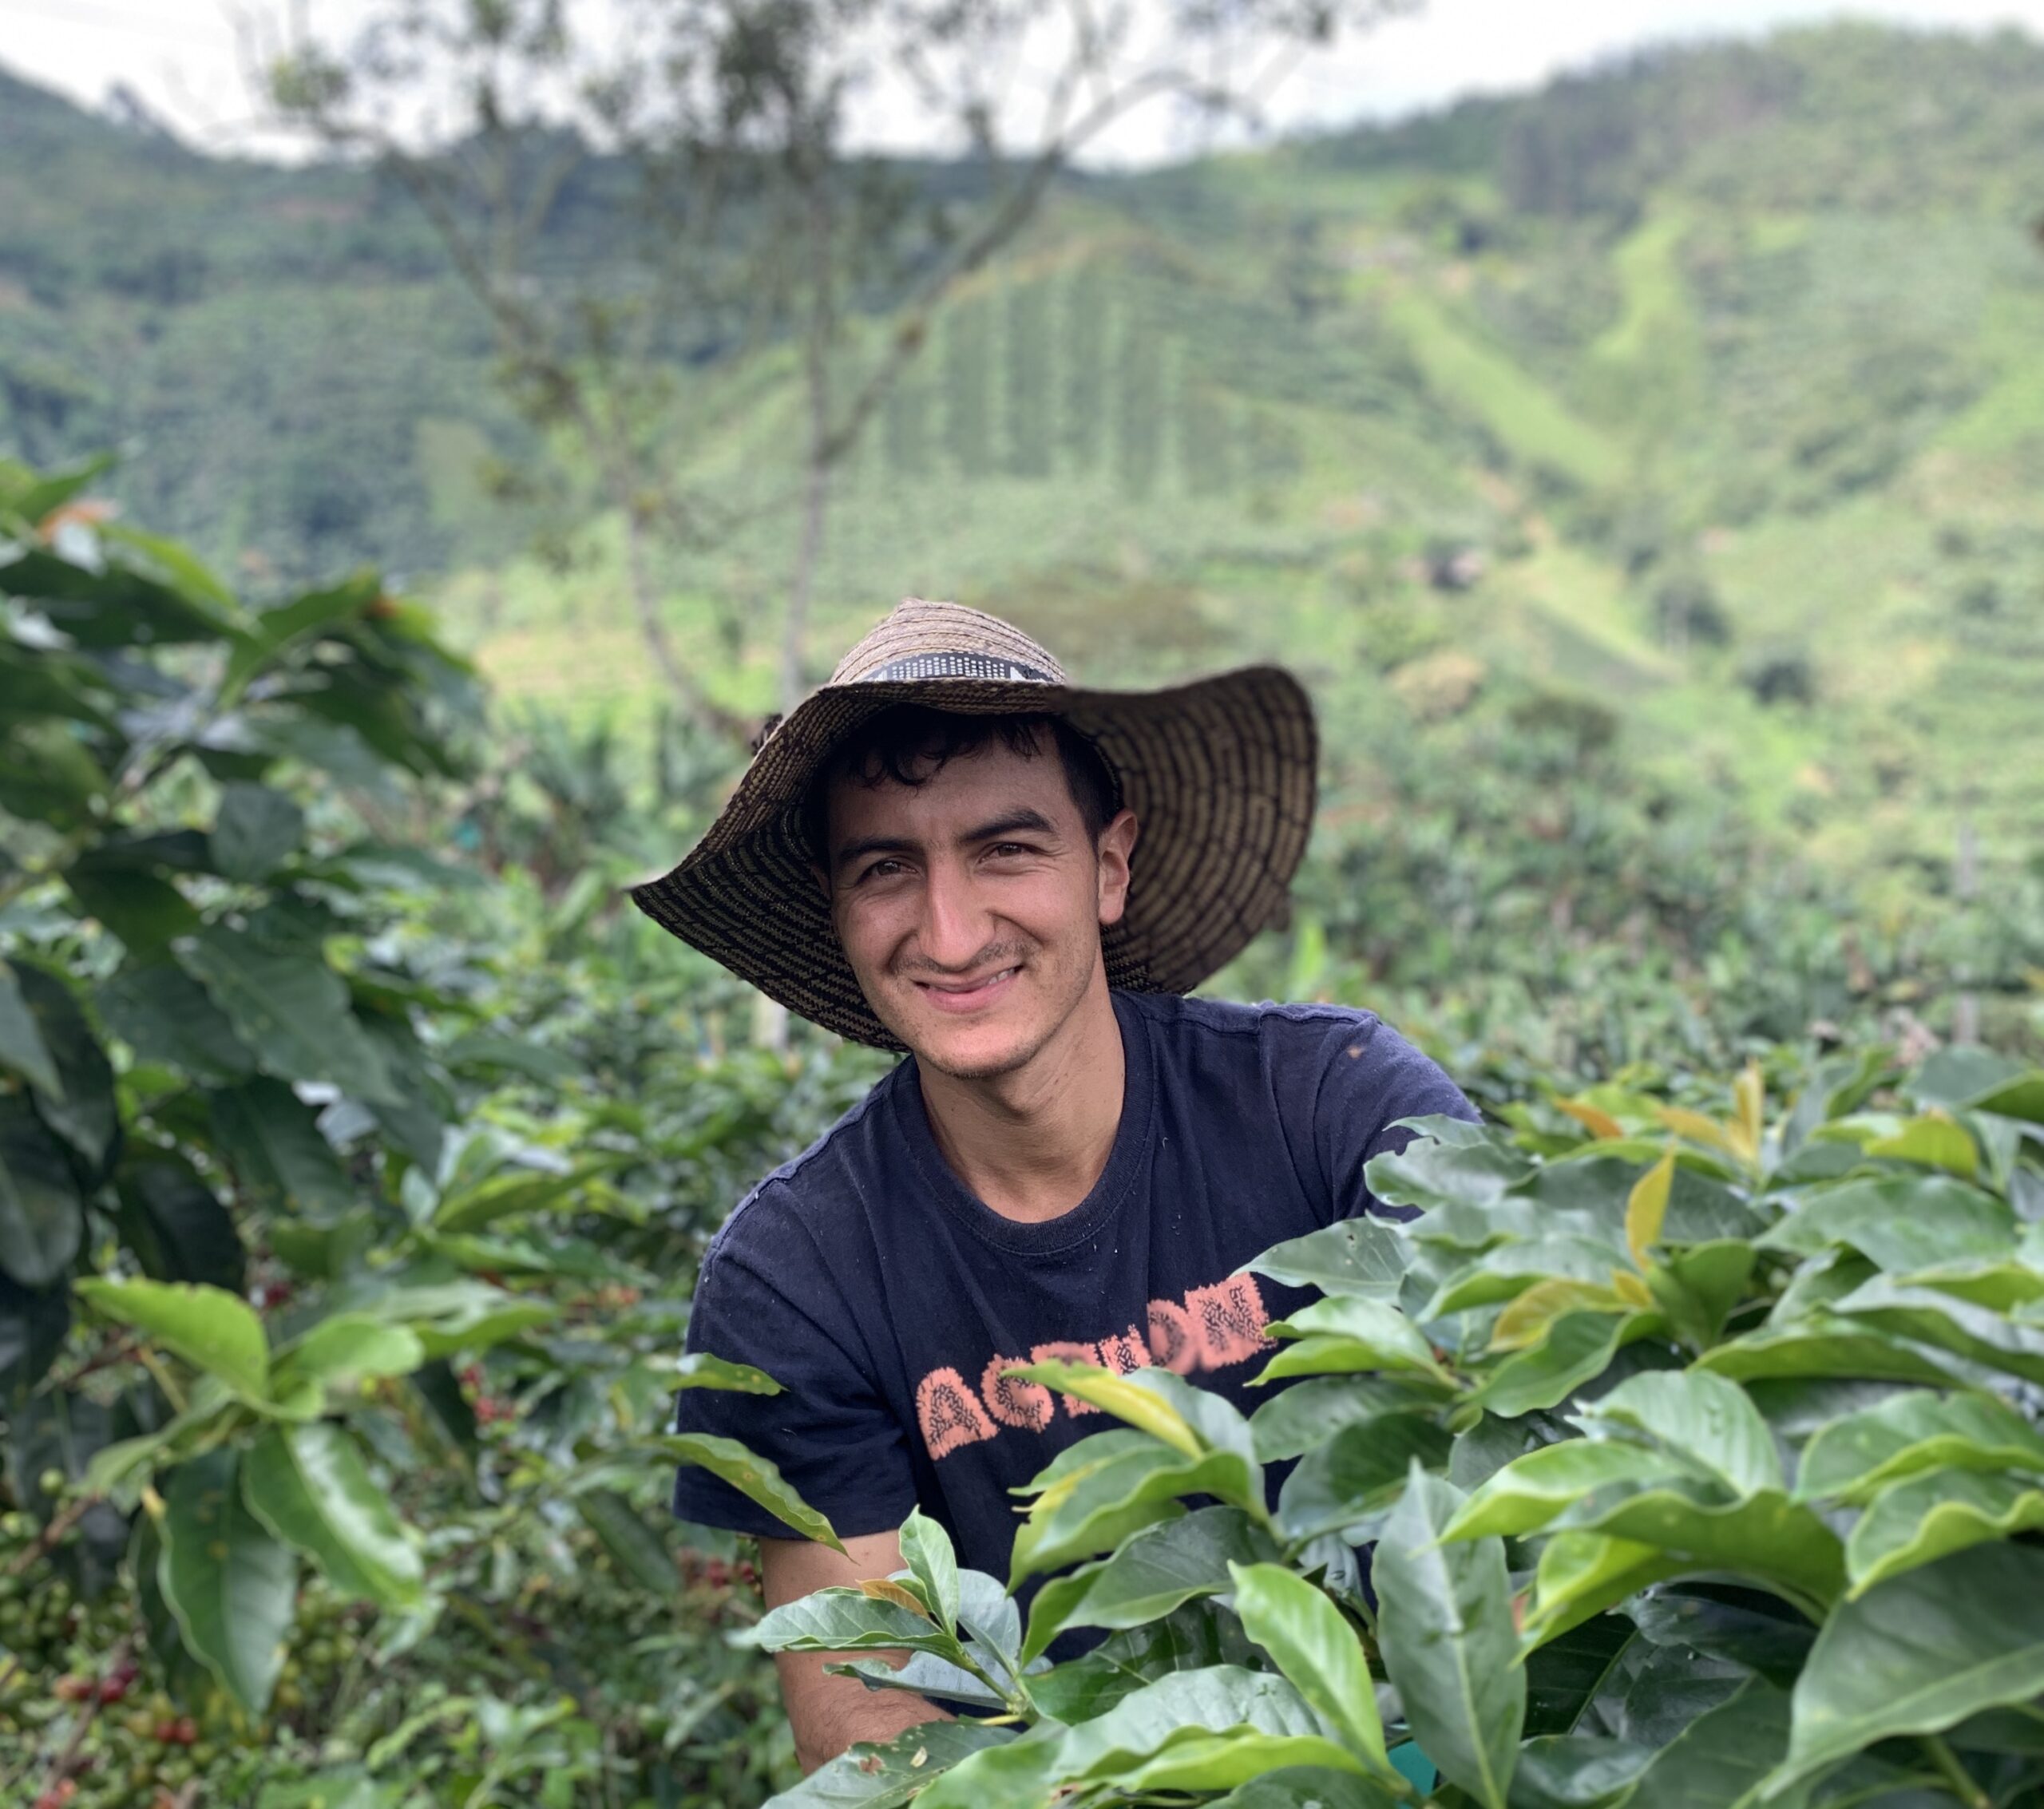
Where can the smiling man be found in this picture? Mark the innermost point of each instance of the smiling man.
(950, 851)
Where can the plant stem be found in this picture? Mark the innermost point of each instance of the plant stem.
(1955, 1774)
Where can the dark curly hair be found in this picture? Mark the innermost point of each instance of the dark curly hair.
(910, 743)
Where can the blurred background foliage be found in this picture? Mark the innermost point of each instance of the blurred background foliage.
(1643, 473)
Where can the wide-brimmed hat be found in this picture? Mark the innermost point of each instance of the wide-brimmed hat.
(1219, 772)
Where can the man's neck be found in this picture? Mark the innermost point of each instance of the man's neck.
(1032, 1143)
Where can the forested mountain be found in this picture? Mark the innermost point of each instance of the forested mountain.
(1700, 398)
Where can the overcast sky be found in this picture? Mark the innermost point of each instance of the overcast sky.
(180, 56)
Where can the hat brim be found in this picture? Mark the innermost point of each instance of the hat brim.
(1220, 772)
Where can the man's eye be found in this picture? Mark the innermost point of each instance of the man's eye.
(882, 870)
(1007, 848)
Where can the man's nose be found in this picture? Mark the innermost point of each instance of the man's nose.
(955, 922)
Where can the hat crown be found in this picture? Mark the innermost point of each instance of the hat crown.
(922, 640)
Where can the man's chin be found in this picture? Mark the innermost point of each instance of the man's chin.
(973, 1051)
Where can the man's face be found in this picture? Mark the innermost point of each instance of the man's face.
(970, 906)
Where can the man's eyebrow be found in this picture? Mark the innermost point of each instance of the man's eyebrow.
(1014, 822)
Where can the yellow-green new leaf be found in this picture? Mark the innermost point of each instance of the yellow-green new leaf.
(1119, 1395)
(1316, 1648)
(1646, 1209)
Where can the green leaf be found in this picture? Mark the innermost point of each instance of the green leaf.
(1581, 1574)
(273, 1143)
(1851, 1458)
(209, 1328)
(926, 1550)
(309, 1486)
(231, 1586)
(1564, 1676)
(505, 1196)
(164, 1016)
(1510, 1269)
(1936, 1142)
(42, 1220)
(1919, 1653)
(1363, 1258)
(1156, 1571)
(175, 1223)
(848, 1619)
(1362, 1334)
(1316, 1650)
(1900, 1224)
(1824, 1345)
(344, 1350)
(34, 1324)
(1576, 1771)
(1945, 1323)
(277, 630)
(291, 1010)
(886, 1774)
(1100, 1491)
(1432, 1174)
(1208, 1762)
(22, 1045)
(1445, 1625)
(1535, 1490)
(82, 1115)
(639, 1552)
(1576, 1348)
(1163, 1738)
(702, 1371)
(1307, 1412)
(146, 910)
(1764, 1535)
(1721, 1758)
(1357, 1472)
(752, 1476)
(1923, 1518)
(1308, 1787)
(1698, 1286)
(255, 828)
(1751, 1628)
(1702, 1418)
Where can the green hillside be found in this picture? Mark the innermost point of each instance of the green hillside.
(1702, 397)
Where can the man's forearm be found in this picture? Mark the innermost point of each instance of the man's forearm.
(829, 1714)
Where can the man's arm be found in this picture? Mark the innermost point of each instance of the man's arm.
(831, 1713)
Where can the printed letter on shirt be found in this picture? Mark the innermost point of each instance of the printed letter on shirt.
(1230, 1319)
(1014, 1402)
(1173, 1340)
(950, 1412)
(1125, 1352)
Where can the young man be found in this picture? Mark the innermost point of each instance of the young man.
(950, 851)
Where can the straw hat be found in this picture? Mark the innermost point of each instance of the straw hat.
(1219, 773)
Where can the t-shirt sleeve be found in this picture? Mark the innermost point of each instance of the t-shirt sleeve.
(1369, 1078)
(828, 1432)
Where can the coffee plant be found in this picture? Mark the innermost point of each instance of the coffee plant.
(343, 1262)
(1662, 1459)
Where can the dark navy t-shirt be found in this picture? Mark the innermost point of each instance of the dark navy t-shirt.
(887, 1299)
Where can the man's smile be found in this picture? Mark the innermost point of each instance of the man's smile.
(964, 995)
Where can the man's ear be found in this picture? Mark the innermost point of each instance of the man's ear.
(1115, 848)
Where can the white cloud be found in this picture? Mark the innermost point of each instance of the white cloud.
(181, 56)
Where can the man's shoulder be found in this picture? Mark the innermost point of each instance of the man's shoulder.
(1318, 1024)
(790, 1199)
